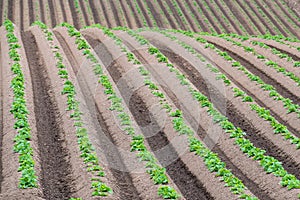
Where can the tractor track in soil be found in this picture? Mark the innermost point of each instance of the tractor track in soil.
(177, 60)
(56, 170)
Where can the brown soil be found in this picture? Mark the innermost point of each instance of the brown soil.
(265, 24)
(208, 16)
(288, 65)
(187, 16)
(235, 26)
(242, 20)
(55, 177)
(115, 13)
(52, 15)
(259, 190)
(284, 85)
(170, 18)
(84, 13)
(198, 18)
(158, 71)
(74, 14)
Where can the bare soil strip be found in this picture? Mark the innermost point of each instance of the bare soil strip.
(259, 187)
(106, 11)
(265, 24)
(10, 13)
(42, 14)
(94, 11)
(157, 16)
(187, 16)
(136, 16)
(232, 23)
(208, 16)
(55, 178)
(53, 15)
(84, 13)
(280, 86)
(219, 18)
(287, 13)
(175, 14)
(281, 18)
(31, 12)
(240, 17)
(159, 74)
(1, 12)
(139, 105)
(129, 20)
(74, 14)
(199, 19)
(64, 11)
(123, 180)
(115, 13)
(1, 112)
(282, 31)
(145, 13)
(172, 23)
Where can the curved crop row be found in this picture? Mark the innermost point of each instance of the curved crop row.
(267, 61)
(211, 159)
(20, 112)
(87, 150)
(270, 164)
(262, 112)
(156, 172)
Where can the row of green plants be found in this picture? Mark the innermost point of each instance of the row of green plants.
(88, 153)
(292, 13)
(276, 17)
(156, 172)
(206, 21)
(140, 13)
(150, 13)
(212, 161)
(234, 18)
(270, 164)
(180, 13)
(288, 104)
(216, 21)
(266, 18)
(20, 112)
(277, 52)
(263, 58)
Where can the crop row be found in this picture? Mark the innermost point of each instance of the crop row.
(270, 164)
(212, 161)
(267, 61)
(88, 153)
(156, 172)
(20, 113)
